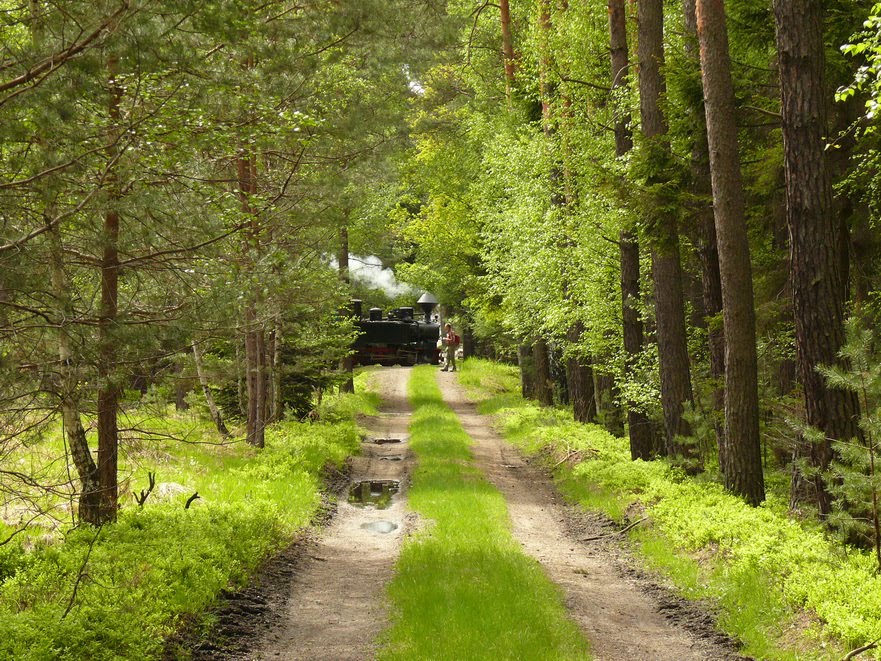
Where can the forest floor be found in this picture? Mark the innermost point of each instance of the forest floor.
(324, 598)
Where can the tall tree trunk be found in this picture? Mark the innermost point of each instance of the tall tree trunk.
(706, 243)
(666, 266)
(276, 401)
(579, 376)
(507, 46)
(528, 377)
(255, 370)
(742, 469)
(255, 345)
(241, 377)
(89, 508)
(108, 386)
(206, 391)
(815, 251)
(544, 383)
(639, 426)
(347, 363)
(608, 397)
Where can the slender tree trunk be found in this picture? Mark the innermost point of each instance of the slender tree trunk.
(206, 391)
(544, 383)
(639, 426)
(108, 386)
(815, 252)
(528, 377)
(241, 377)
(579, 377)
(607, 399)
(276, 402)
(507, 46)
(707, 249)
(255, 345)
(255, 358)
(666, 266)
(347, 363)
(89, 509)
(742, 469)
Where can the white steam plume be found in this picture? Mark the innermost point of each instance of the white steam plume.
(370, 271)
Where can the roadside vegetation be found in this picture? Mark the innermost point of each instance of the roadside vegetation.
(781, 586)
(463, 588)
(119, 590)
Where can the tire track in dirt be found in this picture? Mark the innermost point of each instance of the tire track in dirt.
(336, 606)
(623, 614)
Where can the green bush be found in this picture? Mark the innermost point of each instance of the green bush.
(118, 592)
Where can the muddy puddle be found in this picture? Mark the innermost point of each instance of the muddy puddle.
(377, 493)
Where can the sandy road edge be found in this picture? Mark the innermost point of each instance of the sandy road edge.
(624, 611)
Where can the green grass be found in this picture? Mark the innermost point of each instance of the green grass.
(164, 565)
(463, 588)
(781, 586)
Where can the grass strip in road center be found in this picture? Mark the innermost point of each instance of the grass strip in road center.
(463, 588)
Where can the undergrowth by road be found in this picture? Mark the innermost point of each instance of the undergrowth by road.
(781, 586)
(119, 591)
(464, 589)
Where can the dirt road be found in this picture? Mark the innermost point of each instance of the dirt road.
(328, 603)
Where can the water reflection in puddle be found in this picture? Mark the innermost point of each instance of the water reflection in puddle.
(374, 492)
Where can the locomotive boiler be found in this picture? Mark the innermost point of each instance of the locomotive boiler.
(399, 338)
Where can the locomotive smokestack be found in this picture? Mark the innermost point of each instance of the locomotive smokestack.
(356, 309)
(428, 303)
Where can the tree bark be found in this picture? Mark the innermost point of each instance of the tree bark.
(818, 291)
(527, 370)
(255, 362)
(742, 469)
(706, 243)
(89, 506)
(347, 363)
(507, 46)
(639, 426)
(276, 401)
(544, 383)
(255, 344)
(579, 377)
(666, 267)
(206, 391)
(608, 395)
(108, 387)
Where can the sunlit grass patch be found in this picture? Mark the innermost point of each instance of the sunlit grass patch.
(463, 588)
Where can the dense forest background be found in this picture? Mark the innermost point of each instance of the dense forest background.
(665, 212)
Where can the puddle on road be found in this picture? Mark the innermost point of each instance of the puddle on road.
(383, 441)
(382, 527)
(392, 457)
(374, 492)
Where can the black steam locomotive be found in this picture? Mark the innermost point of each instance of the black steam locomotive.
(399, 339)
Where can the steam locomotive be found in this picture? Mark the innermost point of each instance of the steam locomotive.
(399, 338)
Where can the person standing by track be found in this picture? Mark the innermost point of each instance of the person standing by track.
(451, 343)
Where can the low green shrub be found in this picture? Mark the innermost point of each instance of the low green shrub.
(118, 592)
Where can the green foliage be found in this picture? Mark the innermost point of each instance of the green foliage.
(764, 569)
(464, 588)
(119, 591)
(854, 477)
